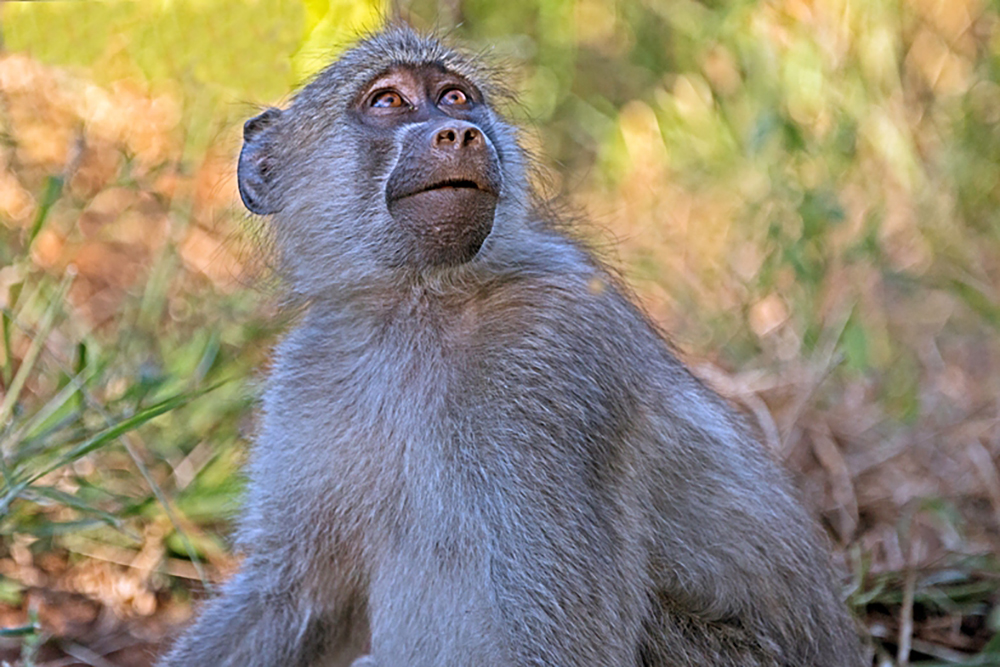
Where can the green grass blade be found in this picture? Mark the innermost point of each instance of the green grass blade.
(37, 493)
(67, 393)
(37, 343)
(101, 439)
(117, 430)
(53, 188)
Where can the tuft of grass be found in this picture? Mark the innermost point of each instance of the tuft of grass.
(125, 361)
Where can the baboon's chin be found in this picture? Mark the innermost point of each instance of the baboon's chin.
(449, 224)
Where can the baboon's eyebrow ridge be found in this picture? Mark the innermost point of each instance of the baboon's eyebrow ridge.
(407, 75)
(396, 46)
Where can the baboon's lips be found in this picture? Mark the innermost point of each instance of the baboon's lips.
(454, 184)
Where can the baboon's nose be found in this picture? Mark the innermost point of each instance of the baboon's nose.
(458, 136)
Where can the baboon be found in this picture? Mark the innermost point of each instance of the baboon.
(475, 450)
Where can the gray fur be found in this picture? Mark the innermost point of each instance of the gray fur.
(498, 463)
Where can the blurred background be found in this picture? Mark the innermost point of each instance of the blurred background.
(804, 193)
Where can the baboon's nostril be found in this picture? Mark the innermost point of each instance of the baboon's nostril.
(472, 137)
(445, 137)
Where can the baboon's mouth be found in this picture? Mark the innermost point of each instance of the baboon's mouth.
(454, 184)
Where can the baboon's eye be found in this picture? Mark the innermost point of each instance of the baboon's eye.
(388, 99)
(453, 97)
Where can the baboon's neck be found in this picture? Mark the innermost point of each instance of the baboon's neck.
(416, 308)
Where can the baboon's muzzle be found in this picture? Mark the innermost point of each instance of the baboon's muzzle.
(444, 189)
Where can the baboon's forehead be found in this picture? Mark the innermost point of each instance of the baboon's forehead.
(396, 46)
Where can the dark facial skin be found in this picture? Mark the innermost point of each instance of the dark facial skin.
(444, 187)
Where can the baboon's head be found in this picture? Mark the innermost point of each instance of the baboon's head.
(392, 160)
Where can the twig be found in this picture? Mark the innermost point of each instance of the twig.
(906, 617)
(84, 654)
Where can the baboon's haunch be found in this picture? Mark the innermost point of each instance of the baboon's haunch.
(474, 450)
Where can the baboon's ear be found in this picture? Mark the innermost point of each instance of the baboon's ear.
(257, 162)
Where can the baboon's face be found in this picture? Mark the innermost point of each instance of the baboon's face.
(391, 161)
(444, 186)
